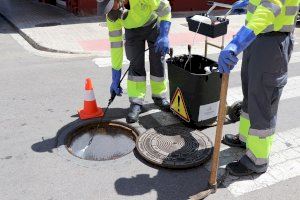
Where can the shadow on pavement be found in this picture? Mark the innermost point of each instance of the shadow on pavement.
(169, 184)
(5, 28)
(178, 184)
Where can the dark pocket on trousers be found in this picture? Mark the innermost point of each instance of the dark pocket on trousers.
(273, 86)
(275, 80)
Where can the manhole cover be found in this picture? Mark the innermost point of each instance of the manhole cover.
(175, 147)
(105, 141)
(48, 24)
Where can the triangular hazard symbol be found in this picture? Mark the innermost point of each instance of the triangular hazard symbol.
(178, 105)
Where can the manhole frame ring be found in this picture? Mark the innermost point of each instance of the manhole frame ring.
(66, 130)
(130, 131)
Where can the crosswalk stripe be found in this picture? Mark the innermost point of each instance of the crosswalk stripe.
(284, 164)
(106, 62)
(295, 58)
(291, 90)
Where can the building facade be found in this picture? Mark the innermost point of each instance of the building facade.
(89, 7)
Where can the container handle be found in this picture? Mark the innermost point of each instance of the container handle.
(222, 5)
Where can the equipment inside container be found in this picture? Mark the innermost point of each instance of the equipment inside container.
(195, 64)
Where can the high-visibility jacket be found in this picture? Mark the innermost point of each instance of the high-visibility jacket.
(272, 15)
(141, 13)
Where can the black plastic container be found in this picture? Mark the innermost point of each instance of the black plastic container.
(199, 84)
(210, 30)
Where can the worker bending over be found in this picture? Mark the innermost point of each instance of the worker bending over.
(267, 43)
(143, 20)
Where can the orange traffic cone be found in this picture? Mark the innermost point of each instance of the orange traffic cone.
(90, 110)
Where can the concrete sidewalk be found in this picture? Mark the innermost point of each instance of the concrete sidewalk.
(53, 29)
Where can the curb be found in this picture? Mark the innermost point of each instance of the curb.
(38, 46)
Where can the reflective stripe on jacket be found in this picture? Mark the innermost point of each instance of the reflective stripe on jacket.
(141, 13)
(272, 15)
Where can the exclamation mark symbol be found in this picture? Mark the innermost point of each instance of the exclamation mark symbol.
(178, 101)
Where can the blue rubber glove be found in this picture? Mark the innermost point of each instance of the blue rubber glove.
(240, 5)
(162, 43)
(228, 56)
(114, 88)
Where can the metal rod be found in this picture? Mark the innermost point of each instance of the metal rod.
(214, 45)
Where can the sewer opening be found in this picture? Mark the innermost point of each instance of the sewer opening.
(100, 142)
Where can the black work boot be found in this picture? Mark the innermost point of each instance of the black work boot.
(238, 169)
(163, 103)
(233, 141)
(134, 112)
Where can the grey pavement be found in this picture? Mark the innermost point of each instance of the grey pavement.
(41, 95)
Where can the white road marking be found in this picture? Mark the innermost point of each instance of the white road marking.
(284, 164)
(295, 58)
(291, 90)
(103, 62)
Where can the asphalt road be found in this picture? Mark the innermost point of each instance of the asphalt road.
(40, 95)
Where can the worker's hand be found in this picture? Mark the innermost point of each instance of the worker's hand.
(239, 5)
(228, 57)
(162, 43)
(227, 61)
(115, 88)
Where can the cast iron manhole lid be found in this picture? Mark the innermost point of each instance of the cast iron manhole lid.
(175, 147)
(99, 142)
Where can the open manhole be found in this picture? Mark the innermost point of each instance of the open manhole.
(175, 147)
(99, 142)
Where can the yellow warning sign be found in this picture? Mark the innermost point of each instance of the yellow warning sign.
(178, 105)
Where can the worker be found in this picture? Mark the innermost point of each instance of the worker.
(143, 20)
(267, 43)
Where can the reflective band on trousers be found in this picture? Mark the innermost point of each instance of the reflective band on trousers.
(139, 101)
(116, 44)
(242, 138)
(157, 79)
(89, 95)
(262, 133)
(257, 161)
(162, 95)
(116, 33)
(137, 78)
(245, 115)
